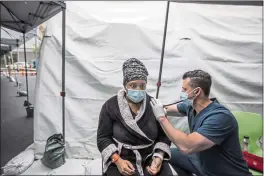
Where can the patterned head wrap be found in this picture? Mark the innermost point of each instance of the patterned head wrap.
(133, 69)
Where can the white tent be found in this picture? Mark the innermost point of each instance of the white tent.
(225, 41)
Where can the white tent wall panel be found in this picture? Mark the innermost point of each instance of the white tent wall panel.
(100, 36)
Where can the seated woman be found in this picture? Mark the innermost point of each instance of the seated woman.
(129, 138)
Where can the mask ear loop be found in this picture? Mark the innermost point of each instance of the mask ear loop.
(179, 100)
(194, 92)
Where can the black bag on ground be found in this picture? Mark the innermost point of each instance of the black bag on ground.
(54, 152)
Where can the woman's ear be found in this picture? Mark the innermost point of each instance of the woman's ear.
(125, 88)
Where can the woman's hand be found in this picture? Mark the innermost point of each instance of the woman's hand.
(155, 166)
(125, 167)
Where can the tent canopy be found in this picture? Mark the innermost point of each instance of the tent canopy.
(24, 16)
(7, 45)
(10, 42)
(4, 49)
(12, 38)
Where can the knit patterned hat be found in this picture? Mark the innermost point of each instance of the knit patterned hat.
(133, 69)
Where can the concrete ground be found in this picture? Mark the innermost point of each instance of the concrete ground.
(16, 128)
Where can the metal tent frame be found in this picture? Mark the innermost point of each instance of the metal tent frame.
(23, 17)
(11, 42)
(16, 40)
(5, 49)
(13, 39)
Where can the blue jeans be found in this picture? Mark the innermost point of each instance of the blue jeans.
(188, 163)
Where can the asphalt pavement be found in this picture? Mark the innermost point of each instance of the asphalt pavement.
(16, 128)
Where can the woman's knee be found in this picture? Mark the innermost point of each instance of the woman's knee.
(165, 169)
(180, 160)
(112, 170)
(176, 157)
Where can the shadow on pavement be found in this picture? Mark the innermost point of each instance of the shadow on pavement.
(16, 128)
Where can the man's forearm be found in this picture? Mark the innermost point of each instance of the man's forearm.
(179, 138)
(171, 108)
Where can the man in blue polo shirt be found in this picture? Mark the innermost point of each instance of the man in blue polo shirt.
(213, 147)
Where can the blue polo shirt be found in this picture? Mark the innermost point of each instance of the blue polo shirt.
(216, 123)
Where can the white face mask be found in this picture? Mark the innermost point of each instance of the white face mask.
(185, 96)
(136, 96)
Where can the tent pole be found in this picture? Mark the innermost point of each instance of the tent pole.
(17, 70)
(12, 59)
(5, 64)
(36, 47)
(25, 55)
(17, 50)
(9, 62)
(63, 74)
(163, 48)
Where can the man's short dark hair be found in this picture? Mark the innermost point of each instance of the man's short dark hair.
(199, 78)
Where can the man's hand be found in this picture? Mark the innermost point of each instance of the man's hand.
(157, 108)
(155, 166)
(125, 167)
